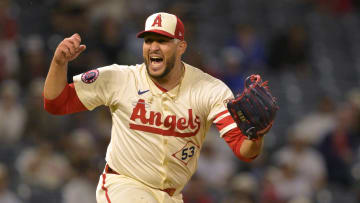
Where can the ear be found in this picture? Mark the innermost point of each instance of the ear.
(182, 47)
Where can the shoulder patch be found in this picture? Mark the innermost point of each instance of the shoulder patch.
(90, 76)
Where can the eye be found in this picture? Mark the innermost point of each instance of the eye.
(147, 41)
(164, 40)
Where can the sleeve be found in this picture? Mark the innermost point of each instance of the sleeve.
(66, 103)
(218, 114)
(224, 122)
(100, 86)
(234, 138)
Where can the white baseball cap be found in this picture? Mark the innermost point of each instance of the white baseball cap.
(165, 24)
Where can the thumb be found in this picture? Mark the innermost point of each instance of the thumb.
(81, 48)
(78, 52)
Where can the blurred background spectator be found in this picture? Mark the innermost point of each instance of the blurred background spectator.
(290, 50)
(243, 188)
(12, 113)
(301, 165)
(6, 195)
(340, 145)
(308, 50)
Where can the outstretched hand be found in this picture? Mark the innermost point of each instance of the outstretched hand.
(68, 49)
(254, 110)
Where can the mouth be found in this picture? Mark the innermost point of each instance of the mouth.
(156, 60)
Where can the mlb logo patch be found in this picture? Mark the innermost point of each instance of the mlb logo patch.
(90, 76)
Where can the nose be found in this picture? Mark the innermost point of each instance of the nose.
(154, 46)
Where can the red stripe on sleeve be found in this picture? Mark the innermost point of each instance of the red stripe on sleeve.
(220, 114)
(66, 103)
(224, 122)
(234, 138)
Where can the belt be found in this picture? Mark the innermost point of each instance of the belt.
(169, 191)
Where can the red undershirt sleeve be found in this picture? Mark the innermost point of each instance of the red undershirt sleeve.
(66, 103)
(234, 138)
(231, 133)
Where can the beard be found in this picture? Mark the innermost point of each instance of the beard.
(168, 67)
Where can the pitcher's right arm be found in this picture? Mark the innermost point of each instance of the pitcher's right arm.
(60, 97)
(56, 79)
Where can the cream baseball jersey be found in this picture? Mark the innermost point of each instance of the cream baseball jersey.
(156, 135)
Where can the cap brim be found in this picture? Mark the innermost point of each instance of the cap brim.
(161, 32)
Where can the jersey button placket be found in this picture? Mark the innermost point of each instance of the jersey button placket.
(166, 112)
(165, 145)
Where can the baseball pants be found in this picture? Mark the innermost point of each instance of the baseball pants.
(113, 188)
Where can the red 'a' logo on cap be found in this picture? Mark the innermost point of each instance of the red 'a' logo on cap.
(157, 21)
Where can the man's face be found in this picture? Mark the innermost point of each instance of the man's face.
(160, 53)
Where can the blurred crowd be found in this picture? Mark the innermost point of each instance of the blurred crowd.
(313, 156)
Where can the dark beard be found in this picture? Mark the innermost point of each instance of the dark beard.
(169, 66)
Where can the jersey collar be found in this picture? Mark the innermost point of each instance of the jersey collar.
(156, 90)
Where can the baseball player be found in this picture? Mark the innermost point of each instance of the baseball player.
(161, 110)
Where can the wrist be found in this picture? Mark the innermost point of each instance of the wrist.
(251, 134)
(251, 148)
(59, 62)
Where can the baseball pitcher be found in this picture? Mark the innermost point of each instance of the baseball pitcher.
(161, 110)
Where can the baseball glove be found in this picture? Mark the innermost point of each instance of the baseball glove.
(254, 109)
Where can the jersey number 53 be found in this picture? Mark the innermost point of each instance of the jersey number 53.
(186, 152)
